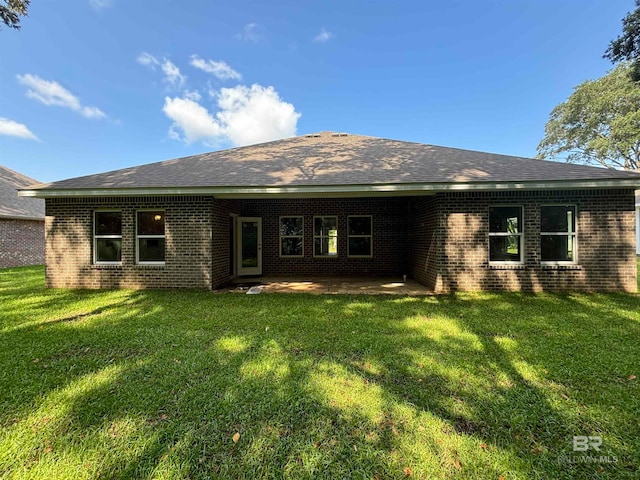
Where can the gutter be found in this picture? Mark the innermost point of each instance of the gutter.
(17, 217)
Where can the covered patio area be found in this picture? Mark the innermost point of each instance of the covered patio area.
(329, 285)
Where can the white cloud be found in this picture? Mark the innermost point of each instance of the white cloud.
(249, 33)
(52, 93)
(100, 4)
(323, 37)
(255, 114)
(192, 95)
(219, 69)
(171, 72)
(147, 60)
(15, 129)
(192, 119)
(246, 115)
(211, 90)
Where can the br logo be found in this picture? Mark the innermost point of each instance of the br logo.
(583, 443)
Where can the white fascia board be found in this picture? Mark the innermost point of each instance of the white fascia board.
(407, 189)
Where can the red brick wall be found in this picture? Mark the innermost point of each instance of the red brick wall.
(221, 250)
(606, 239)
(69, 244)
(424, 255)
(21, 242)
(441, 240)
(390, 235)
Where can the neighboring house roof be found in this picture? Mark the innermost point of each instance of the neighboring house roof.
(13, 206)
(330, 162)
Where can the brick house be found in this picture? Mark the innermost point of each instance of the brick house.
(21, 222)
(345, 205)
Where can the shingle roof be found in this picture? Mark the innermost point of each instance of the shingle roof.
(13, 206)
(328, 159)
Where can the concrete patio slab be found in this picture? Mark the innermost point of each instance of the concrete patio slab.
(322, 286)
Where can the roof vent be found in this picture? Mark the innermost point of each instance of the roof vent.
(312, 135)
(339, 134)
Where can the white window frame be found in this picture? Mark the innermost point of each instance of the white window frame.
(370, 236)
(96, 237)
(290, 236)
(313, 226)
(138, 237)
(573, 234)
(506, 234)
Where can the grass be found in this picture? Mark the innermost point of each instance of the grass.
(125, 384)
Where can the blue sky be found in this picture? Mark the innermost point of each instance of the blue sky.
(94, 85)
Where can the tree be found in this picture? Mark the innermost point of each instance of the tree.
(627, 46)
(599, 124)
(11, 11)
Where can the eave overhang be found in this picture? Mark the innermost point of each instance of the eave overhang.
(310, 191)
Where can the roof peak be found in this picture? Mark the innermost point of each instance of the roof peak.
(327, 133)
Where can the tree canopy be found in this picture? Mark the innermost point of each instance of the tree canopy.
(599, 124)
(11, 11)
(627, 46)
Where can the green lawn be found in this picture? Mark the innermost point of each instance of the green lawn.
(128, 384)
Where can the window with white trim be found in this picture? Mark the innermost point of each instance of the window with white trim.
(150, 237)
(505, 234)
(291, 236)
(107, 237)
(360, 236)
(558, 238)
(325, 236)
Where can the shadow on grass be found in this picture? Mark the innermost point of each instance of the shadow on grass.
(151, 384)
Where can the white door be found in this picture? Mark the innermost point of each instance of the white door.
(249, 248)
